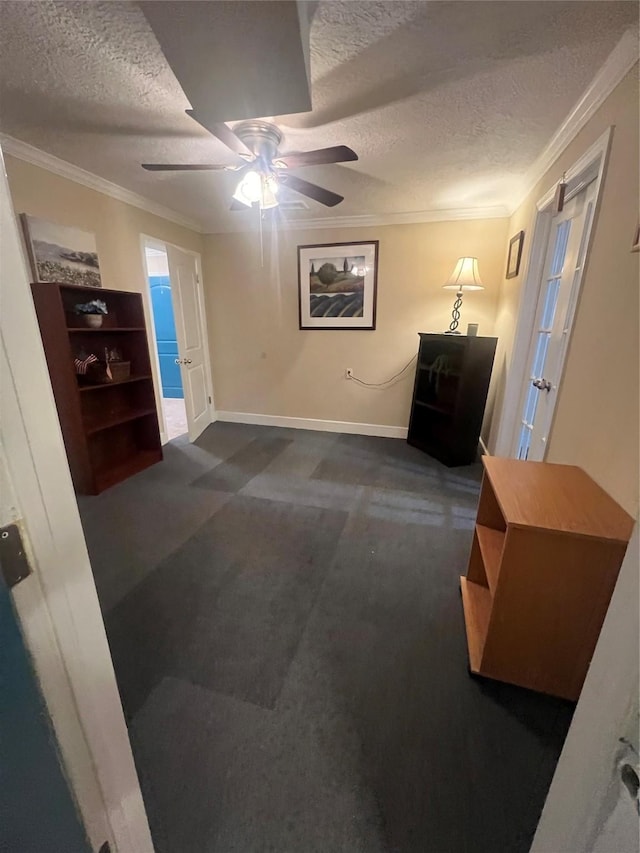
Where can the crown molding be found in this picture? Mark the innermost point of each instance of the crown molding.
(30, 154)
(616, 66)
(366, 220)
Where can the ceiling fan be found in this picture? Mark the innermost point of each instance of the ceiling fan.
(260, 166)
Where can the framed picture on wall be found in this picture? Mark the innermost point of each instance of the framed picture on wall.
(515, 254)
(61, 253)
(337, 285)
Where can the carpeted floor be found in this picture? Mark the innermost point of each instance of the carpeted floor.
(285, 621)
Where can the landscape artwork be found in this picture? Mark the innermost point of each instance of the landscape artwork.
(337, 285)
(60, 253)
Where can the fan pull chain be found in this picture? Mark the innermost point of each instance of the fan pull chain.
(261, 240)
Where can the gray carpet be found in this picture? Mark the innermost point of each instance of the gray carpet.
(284, 616)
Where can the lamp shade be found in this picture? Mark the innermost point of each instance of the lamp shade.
(465, 276)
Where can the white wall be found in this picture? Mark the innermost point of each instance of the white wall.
(586, 786)
(57, 605)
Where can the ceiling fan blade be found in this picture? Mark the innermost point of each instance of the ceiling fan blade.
(224, 133)
(184, 167)
(322, 156)
(326, 197)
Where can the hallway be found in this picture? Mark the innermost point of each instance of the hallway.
(283, 612)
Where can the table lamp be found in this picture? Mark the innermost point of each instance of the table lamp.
(464, 276)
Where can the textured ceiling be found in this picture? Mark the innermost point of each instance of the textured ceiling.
(446, 103)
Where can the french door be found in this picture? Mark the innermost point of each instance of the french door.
(189, 317)
(567, 246)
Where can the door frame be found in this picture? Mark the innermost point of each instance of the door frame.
(594, 159)
(57, 604)
(158, 243)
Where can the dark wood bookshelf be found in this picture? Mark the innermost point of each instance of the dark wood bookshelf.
(122, 417)
(110, 429)
(104, 385)
(449, 396)
(102, 330)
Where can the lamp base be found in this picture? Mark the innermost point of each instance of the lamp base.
(455, 315)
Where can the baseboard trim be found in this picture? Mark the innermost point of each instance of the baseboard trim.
(349, 427)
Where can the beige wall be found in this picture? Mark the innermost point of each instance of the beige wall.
(117, 225)
(596, 420)
(262, 363)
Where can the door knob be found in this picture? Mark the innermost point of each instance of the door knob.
(542, 384)
(178, 360)
(187, 361)
(182, 360)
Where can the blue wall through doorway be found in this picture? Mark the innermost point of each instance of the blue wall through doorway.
(166, 339)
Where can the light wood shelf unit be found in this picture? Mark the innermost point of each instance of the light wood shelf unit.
(546, 552)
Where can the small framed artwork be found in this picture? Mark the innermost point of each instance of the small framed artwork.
(515, 254)
(337, 285)
(60, 253)
(636, 241)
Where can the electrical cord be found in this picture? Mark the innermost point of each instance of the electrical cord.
(388, 381)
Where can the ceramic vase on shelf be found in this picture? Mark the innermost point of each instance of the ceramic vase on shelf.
(94, 321)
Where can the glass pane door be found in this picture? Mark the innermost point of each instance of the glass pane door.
(563, 266)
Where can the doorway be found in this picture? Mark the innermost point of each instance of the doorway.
(166, 340)
(557, 260)
(176, 304)
(563, 266)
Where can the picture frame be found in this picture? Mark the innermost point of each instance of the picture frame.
(337, 286)
(61, 253)
(515, 254)
(635, 247)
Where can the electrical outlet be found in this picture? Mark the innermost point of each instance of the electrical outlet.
(348, 374)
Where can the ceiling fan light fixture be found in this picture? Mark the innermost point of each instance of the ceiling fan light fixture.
(269, 192)
(257, 188)
(249, 189)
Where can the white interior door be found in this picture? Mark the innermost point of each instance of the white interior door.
(192, 355)
(568, 239)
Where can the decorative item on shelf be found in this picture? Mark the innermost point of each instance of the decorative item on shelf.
(82, 363)
(515, 254)
(92, 312)
(337, 285)
(465, 276)
(118, 367)
(90, 370)
(61, 254)
(472, 330)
